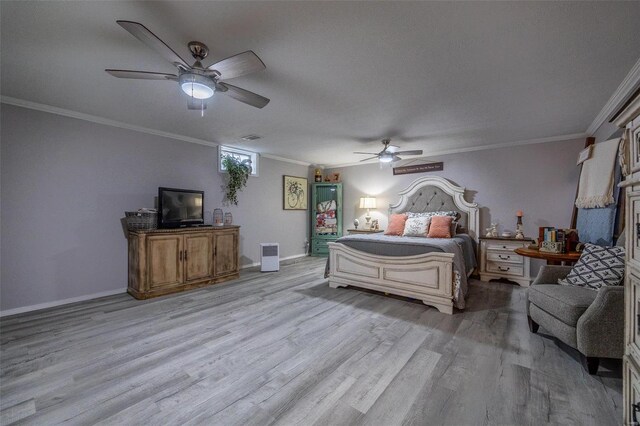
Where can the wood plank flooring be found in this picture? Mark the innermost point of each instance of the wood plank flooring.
(283, 348)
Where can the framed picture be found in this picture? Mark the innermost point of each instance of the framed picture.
(584, 155)
(294, 193)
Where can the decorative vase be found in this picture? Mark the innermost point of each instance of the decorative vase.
(356, 222)
(228, 218)
(218, 217)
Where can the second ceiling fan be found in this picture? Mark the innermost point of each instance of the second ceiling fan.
(389, 153)
(198, 82)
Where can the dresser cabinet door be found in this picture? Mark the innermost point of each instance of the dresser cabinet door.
(633, 236)
(198, 256)
(164, 263)
(225, 256)
(634, 141)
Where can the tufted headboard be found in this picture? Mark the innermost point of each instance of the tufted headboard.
(432, 194)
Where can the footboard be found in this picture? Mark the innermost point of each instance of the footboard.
(427, 277)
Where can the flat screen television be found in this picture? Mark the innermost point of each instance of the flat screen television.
(180, 207)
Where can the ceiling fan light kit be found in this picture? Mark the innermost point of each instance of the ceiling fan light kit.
(196, 81)
(388, 154)
(197, 86)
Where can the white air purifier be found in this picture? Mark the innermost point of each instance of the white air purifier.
(269, 257)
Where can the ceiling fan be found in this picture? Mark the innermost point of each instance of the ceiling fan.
(389, 153)
(198, 82)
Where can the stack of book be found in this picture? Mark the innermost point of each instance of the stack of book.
(557, 240)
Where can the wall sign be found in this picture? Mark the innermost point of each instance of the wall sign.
(419, 168)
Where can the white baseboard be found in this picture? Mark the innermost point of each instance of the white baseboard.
(39, 306)
(254, 264)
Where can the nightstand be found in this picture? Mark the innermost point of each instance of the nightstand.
(498, 260)
(364, 231)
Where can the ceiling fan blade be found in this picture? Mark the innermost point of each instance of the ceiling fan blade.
(143, 34)
(395, 158)
(414, 152)
(237, 65)
(142, 75)
(392, 148)
(368, 153)
(367, 159)
(196, 104)
(245, 96)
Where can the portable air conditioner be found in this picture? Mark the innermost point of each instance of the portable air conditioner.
(269, 257)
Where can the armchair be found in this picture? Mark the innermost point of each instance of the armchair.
(588, 320)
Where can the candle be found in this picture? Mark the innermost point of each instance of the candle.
(519, 213)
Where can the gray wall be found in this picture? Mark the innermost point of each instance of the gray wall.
(65, 184)
(539, 179)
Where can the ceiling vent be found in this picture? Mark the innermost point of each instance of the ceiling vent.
(250, 138)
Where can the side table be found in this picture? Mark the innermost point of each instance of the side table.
(498, 260)
(364, 231)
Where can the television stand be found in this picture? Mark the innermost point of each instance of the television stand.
(163, 261)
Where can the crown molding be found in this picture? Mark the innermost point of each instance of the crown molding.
(100, 120)
(622, 93)
(560, 138)
(119, 124)
(285, 160)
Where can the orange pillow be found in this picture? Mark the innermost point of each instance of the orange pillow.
(440, 227)
(396, 224)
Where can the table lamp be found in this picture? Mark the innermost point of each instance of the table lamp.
(368, 203)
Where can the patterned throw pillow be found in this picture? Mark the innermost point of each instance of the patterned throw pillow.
(416, 227)
(396, 224)
(453, 214)
(597, 267)
(440, 227)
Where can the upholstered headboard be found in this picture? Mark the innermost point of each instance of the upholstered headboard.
(432, 194)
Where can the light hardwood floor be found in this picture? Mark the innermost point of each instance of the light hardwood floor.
(284, 348)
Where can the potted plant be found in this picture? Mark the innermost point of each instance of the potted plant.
(238, 172)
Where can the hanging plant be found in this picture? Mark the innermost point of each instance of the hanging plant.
(238, 172)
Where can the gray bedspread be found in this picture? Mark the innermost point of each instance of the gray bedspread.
(462, 246)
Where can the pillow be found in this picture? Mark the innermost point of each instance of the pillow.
(440, 227)
(416, 227)
(598, 266)
(431, 214)
(454, 227)
(396, 224)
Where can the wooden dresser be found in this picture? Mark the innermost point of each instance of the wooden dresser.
(166, 261)
(629, 119)
(498, 260)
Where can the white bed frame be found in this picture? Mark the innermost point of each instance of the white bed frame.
(427, 277)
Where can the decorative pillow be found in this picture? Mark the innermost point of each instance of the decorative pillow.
(598, 266)
(416, 227)
(454, 227)
(440, 227)
(431, 214)
(396, 224)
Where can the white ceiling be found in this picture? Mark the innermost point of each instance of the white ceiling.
(340, 75)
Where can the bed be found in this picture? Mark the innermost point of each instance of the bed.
(432, 270)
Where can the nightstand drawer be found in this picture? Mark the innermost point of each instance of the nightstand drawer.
(504, 268)
(505, 257)
(503, 245)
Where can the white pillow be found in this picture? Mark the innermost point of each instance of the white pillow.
(416, 227)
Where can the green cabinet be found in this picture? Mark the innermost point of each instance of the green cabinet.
(326, 216)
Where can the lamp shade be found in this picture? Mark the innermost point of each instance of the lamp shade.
(368, 202)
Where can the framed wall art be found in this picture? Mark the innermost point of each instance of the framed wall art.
(294, 193)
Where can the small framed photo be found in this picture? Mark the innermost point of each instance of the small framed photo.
(294, 193)
(585, 154)
(335, 177)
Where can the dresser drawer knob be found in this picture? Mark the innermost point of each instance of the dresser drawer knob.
(503, 269)
(504, 257)
(504, 247)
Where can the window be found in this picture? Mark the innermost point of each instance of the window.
(240, 154)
